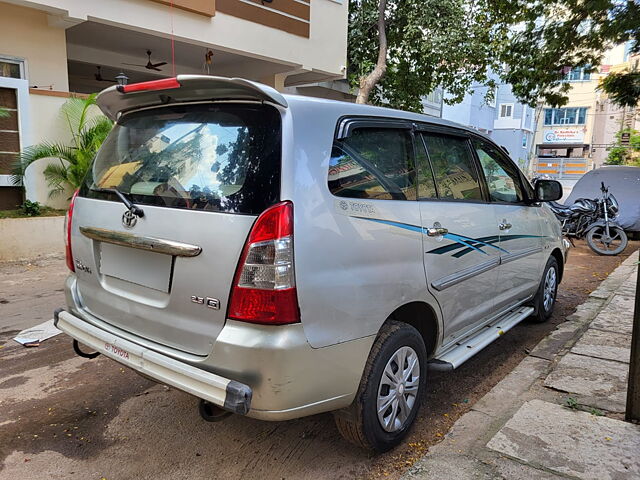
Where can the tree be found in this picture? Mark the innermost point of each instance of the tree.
(623, 88)
(554, 36)
(401, 50)
(87, 134)
(627, 153)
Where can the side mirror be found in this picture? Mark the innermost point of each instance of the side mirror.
(547, 190)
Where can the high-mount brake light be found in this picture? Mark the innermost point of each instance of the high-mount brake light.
(264, 287)
(164, 84)
(68, 220)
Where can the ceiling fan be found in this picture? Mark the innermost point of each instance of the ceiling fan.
(98, 76)
(149, 65)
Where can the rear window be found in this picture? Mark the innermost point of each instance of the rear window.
(217, 157)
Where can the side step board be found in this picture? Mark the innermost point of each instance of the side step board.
(467, 347)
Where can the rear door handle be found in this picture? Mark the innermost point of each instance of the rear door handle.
(436, 231)
(504, 225)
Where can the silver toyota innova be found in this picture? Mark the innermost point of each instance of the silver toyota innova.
(280, 256)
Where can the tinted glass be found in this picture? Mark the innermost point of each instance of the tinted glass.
(374, 163)
(426, 182)
(223, 158)
(503, 180)
(455, 171)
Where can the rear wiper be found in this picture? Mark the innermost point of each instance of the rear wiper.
(137, 211)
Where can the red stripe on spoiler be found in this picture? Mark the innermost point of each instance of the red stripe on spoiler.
(163, 84)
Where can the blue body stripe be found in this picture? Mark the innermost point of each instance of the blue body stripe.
(460, 241)
(406, 226)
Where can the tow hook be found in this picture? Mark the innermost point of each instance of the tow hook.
(76, 348)
(212, 413)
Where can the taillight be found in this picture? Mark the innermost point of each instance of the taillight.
(68, 220)
(264, 287)
(163, 84)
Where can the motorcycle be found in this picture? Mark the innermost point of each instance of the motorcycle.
(595, 221)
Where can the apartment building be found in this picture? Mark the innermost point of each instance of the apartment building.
(610, 118)
(51, 49)
(507, 121)
(575, 138)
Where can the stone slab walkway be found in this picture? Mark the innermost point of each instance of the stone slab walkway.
(559, 413)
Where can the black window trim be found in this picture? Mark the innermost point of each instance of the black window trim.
(346, 125)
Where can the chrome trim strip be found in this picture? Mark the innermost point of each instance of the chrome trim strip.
(462, 275)
(522, 253)
(150, 244)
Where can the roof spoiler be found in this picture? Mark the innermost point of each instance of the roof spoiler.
(117, 99)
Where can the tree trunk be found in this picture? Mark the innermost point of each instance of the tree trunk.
(369, 82)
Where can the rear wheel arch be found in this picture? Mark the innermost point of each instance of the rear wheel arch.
(422, 317)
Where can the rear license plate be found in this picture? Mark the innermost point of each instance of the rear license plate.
(152, 270)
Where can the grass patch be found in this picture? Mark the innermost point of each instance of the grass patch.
(44, 212)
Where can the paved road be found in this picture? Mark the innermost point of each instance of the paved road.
(66, 417)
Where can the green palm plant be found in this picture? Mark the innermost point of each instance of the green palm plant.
(87, 134)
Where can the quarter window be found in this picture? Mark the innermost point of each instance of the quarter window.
(455, 172)
(502, 176)
(375, 163)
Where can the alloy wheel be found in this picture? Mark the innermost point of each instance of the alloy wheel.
(550, 286)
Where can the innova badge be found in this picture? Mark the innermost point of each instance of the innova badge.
(129, 219)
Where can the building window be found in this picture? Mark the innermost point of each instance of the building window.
(434, 97)
(506, 110)
(565, 116)
(11, 67)
(524, 141)
(578, 74)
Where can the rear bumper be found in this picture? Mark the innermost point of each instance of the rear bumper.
(226, 393)
(285, 376)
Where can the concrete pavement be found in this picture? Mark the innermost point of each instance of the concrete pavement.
(559, 414)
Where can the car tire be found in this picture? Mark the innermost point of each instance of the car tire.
(361, 423)
(545, 298)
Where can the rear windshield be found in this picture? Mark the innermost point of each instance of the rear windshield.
(217, 157)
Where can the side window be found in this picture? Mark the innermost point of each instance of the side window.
(502, 176)
(455, 171)
(426, 183)
(375, 163)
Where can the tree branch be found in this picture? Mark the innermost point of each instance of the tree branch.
(368, 83)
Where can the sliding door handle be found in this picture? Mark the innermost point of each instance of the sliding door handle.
(436, 231)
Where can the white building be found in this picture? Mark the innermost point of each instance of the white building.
(51, 48)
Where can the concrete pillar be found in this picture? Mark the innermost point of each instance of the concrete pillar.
(276, 81)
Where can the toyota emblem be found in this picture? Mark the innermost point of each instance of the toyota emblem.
(129, 219)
